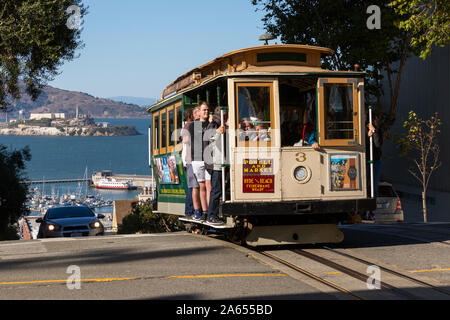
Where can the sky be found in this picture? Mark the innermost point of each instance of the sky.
(137, 47)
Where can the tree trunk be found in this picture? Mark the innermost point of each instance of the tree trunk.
(424, 206)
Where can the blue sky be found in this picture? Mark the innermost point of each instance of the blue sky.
(137, 47)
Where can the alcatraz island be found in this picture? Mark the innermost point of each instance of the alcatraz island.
(55, 124)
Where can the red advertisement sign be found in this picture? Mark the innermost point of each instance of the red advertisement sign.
(258, 176)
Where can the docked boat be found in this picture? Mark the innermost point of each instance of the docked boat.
(110, 183)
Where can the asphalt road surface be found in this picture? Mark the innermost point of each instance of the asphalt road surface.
(164, 266)
(182, 266)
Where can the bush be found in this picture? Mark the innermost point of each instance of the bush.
(142, 219)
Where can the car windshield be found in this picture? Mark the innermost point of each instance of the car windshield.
(386, 191)
(69, 212)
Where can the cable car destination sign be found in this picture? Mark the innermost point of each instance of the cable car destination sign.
(258, 176)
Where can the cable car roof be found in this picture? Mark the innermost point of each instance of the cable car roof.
(266, 59)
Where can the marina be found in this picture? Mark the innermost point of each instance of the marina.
(40, 203)
(98, 193)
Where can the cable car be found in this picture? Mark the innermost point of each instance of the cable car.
(308, 172)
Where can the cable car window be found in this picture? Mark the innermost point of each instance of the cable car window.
(163, 130)
(338, 111)
(297, 111)
(179, 120)
(156, 133)
(172, 137)
(254, 112)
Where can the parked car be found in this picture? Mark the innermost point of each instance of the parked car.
(389, 207)
(72, 221)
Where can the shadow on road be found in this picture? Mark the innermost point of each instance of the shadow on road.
(103, 256)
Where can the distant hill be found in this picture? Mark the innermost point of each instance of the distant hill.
(142, 102)
(53, 100)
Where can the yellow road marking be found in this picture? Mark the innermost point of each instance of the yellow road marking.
(430, 270)
(63, 281)
(229, 275)
(170, 277)
(336, 272)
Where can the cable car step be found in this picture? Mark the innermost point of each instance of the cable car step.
(205, 223)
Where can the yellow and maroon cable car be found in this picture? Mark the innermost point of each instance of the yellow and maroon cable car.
(299, 166)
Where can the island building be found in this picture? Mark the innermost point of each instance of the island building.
(40, 116)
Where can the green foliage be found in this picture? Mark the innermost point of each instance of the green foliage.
(34, 42)
(340, 25)
(420, 133)
(428, 21)
(143, 220)
(13, 194)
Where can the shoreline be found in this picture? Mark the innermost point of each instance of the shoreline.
(85, 131)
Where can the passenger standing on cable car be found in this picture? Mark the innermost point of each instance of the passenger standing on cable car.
(186, 158)
(374, 131)
(197, 131)
(214, 165)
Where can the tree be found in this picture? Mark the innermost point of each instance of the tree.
(341, 25)
(420, 143)
(428, 21)
(13, 193)
(36, 37)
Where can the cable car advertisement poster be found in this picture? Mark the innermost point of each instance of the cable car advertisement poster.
(167, 170)
(344, 172)
(258, 176)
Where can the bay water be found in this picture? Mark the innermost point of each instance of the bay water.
(68, 157)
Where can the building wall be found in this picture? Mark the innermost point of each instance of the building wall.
(425, 88)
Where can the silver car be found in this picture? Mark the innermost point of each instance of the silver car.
(389, 207)
(74, 221)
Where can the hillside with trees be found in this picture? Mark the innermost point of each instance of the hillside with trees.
(54, 100)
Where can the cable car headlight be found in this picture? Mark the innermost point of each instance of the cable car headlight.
(301, 174)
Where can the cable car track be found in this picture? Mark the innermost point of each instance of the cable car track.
(353, 273)
(311, 275)
(393, 272)
(387, 288)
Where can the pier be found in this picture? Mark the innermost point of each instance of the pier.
(138, 181)
(56, 181)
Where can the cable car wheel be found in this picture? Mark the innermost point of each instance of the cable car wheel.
(189, 227)
(237, 235)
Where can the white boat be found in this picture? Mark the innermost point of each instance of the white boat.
(110, 183)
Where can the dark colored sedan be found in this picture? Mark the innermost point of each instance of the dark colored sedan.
(70, 222)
